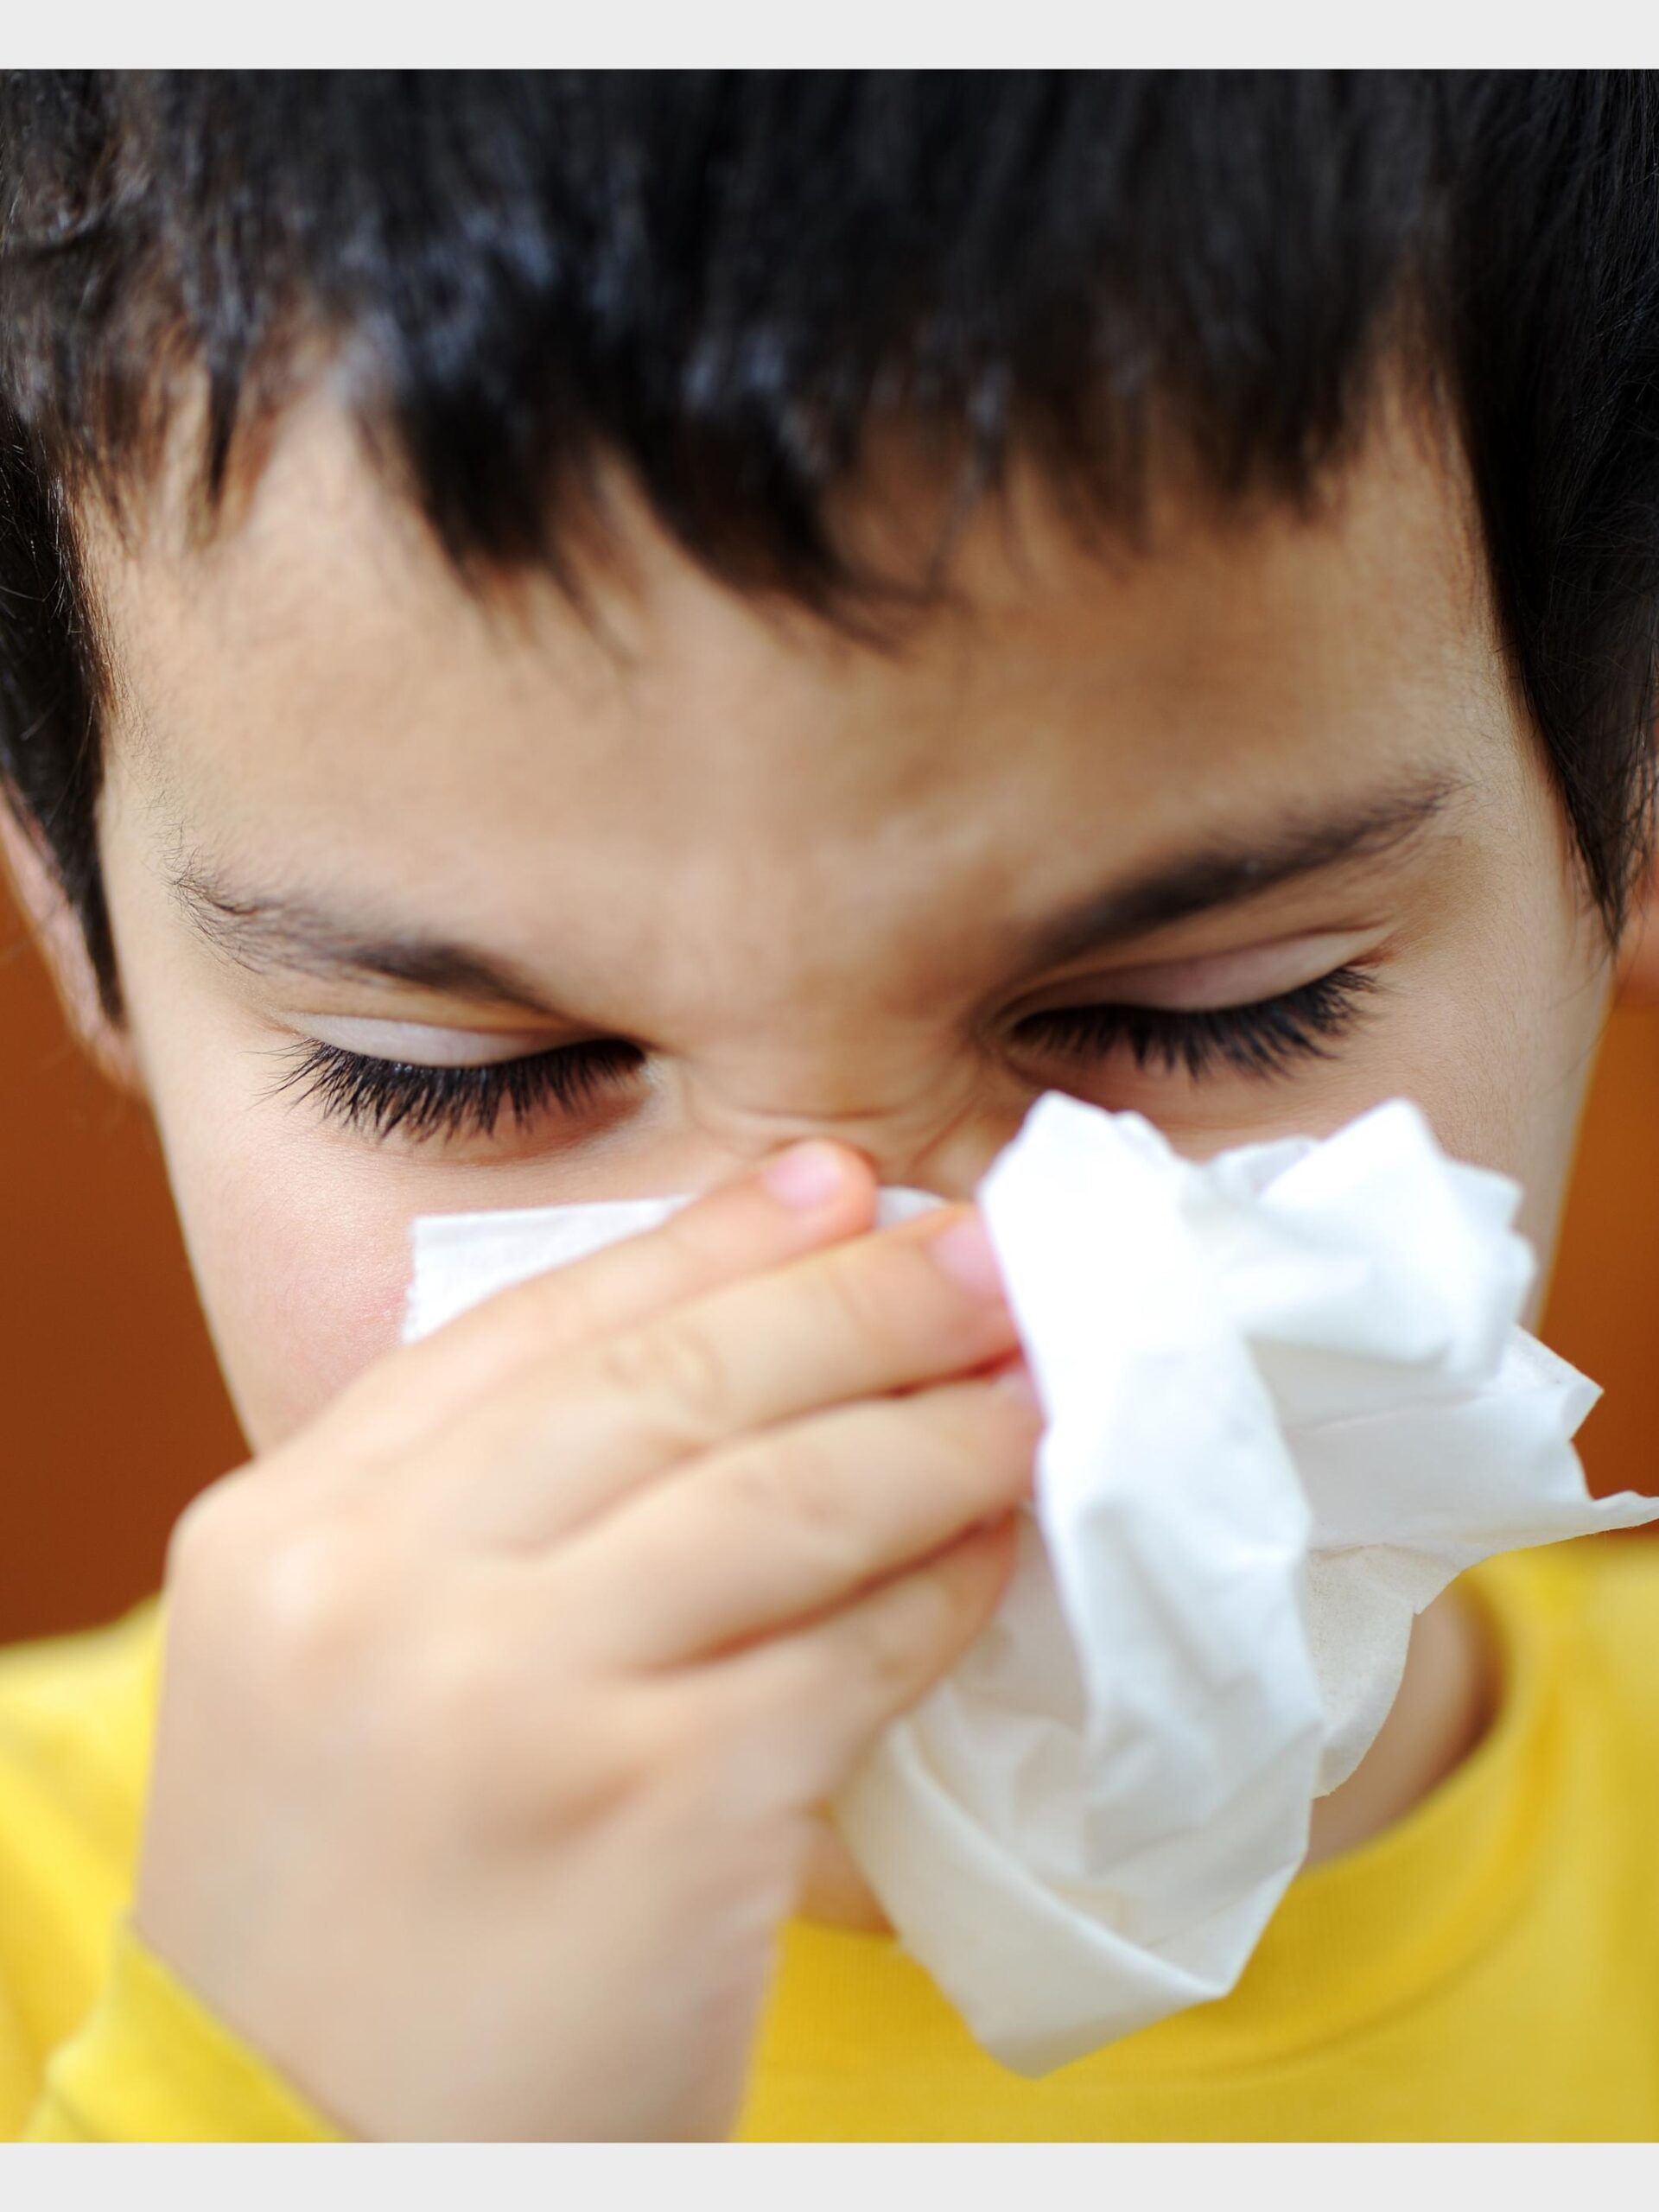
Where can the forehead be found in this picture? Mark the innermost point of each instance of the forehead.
(314, 695)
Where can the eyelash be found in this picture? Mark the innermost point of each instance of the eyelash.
(379, 1097)
(1260, 1039)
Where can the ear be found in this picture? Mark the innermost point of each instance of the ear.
(57, 935)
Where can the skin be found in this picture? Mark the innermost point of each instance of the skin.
(1639, 955)
(798, 874)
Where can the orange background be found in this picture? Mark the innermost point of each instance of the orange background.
(114, 1413)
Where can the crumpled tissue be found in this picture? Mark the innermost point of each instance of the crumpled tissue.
(1286, 1402)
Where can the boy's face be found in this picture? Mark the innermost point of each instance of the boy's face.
(345, 807)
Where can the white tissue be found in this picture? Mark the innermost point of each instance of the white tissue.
(1286, 1402)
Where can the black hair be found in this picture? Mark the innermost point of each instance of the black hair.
(724, 281)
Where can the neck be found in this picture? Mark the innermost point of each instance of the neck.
(1440, 1714)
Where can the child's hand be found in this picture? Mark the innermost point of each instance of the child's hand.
(497, 1705)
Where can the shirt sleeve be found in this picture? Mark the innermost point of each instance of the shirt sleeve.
(152, 2064)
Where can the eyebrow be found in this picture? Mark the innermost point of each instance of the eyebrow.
(1227, 872)
(274, 931)
(264, 931)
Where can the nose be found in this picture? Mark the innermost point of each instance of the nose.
(941, 1144)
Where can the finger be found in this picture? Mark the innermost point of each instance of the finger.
(908, 1305)
(796, 1520)
(810, 1704)
(802, 1196)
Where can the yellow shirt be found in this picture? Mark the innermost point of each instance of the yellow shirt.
(1488, 1969)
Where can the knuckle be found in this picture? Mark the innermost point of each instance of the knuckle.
(799, 1482)
(312, 1593)
(950, 1439)
(519, 1323)
(911, 1640)
(897, 1639)
(866, 1302)
(694, 1233)
(518, 1328)
(279, 1612)
(992, 1434)
(814, 1487)
(219, 1545)
(674, 1370)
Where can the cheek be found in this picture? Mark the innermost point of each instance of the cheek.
(301, 1266)
(1503, 1053)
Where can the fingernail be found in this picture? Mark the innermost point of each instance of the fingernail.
(964, 1252)
(806, 1175)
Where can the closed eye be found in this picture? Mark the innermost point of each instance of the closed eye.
(380, 1098)
(1263, 1039)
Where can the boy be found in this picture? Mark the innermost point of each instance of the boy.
(569, 638)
